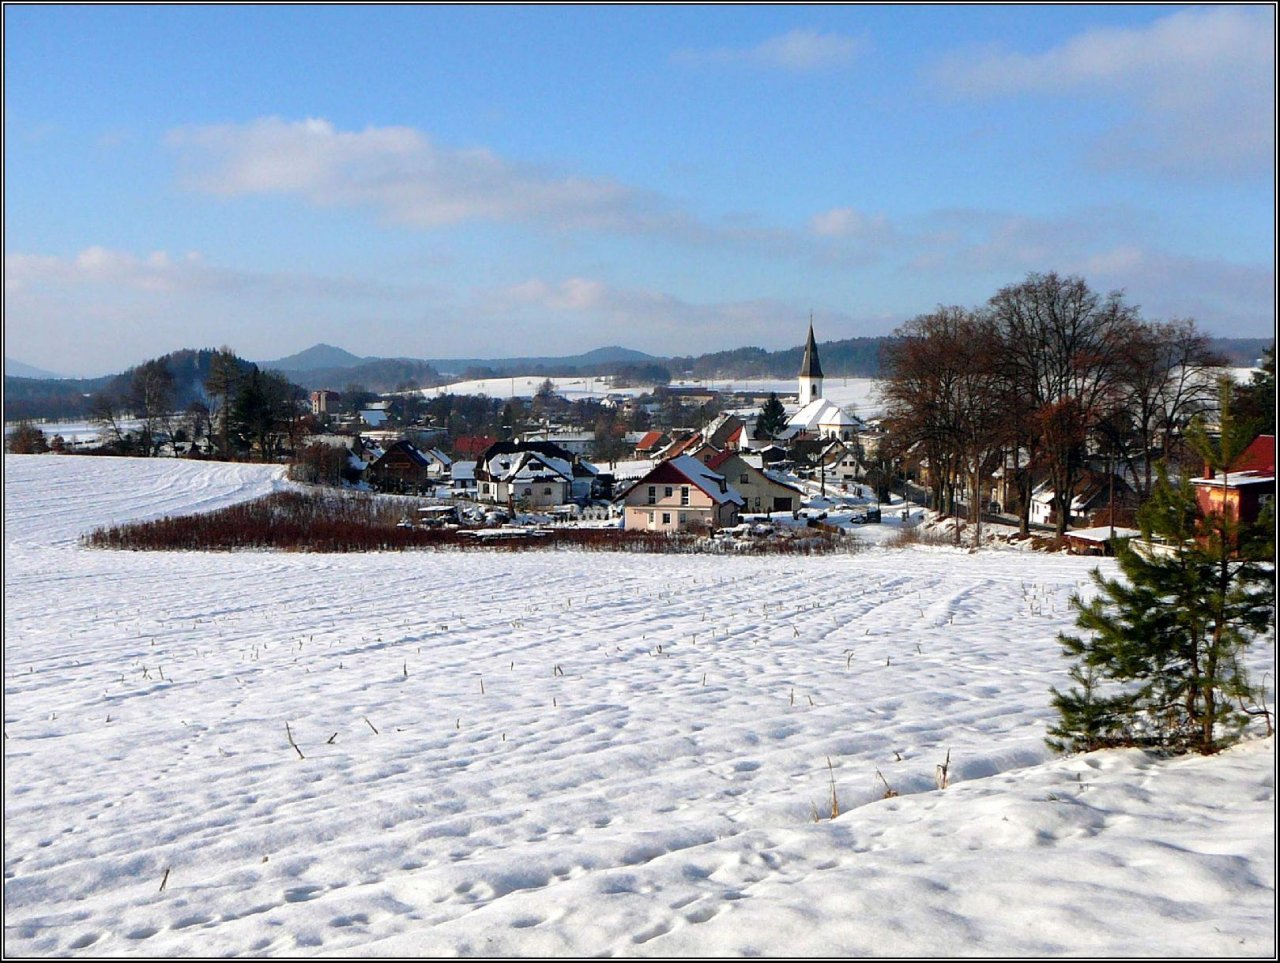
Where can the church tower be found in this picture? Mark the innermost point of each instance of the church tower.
(810, 371)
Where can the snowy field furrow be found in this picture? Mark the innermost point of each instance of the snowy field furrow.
(575, 753)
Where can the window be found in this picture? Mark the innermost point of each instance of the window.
(653, 497)
(742, 479)
(546, 491)
(666, 492)
(666, 518)
(684, 517)
(684, 494)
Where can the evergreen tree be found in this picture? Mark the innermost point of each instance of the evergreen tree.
(1161, 665)
(1256, 401)
(773, 416)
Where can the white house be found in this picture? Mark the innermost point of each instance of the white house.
(532, 474)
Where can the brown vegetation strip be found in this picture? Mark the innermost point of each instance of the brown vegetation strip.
(326, 522)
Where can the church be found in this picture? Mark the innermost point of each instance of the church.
(818, 416)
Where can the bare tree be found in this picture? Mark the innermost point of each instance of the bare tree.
(151, 395)
(1062, 353)
(106, 409)
(942, 389)
(1169, 375)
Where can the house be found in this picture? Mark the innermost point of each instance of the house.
(472, 446)
(404, 469)
(324, 401)
(681, 495)
(1242, 492)
(532, 475)
(760, 492)
(574, 442)
(652, 443)
(727, 432)
(377, 414)
(1094, 491)
(842, 462)
(462, 478)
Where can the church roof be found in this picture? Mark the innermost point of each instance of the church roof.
(810, 367)
(821, 413)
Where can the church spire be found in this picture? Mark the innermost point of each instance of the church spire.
(810, 370)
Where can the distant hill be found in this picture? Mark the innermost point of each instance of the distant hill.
(16, 369)
(315, 358)
(594, 361)
(68, 398)
(371, 374)
(1241, 352)
(324, 366)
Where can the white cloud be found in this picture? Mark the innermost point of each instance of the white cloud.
(1200, 83)
(798, 51)
(573, 313)
(408, 178)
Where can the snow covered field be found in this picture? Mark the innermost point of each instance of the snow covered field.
(573, 754)
(858, 395)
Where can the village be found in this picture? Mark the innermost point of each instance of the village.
(727, 474)
(754, 467)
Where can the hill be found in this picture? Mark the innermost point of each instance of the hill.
(16, 369)
(315, 358)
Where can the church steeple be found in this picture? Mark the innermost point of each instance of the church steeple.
(810, 370)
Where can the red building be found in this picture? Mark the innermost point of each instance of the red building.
(1241, 492)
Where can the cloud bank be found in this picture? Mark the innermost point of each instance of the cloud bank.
(405, 176)
(1199, 85)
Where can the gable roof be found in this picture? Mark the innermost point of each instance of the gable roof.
(1260, 456)
(821, 413)
(405, 448)
(722, 458)
(685, 469)
(650, 441)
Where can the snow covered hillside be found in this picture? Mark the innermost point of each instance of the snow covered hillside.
(578, 754)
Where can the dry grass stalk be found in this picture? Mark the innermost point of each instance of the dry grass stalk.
(289, 732)
(889, 791)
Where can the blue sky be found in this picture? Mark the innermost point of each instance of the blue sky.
(492, 181)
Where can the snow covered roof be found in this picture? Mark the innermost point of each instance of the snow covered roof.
(1103, 533)
(821, 413)
(711, 482)
(1237, 479)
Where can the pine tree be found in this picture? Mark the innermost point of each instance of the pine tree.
(773, 416)
(1161, 664)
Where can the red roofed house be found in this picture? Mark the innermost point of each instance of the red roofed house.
(1241, 492)
(681, 495)
(759, 492)
(652, 443)
(471, 446)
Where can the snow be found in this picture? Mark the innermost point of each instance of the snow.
(525, 386)
(576, 754)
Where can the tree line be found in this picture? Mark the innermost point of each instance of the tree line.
(212, 394)
(1043, 375)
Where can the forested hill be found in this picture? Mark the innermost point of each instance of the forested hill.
(853, 357)
(72, 398)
